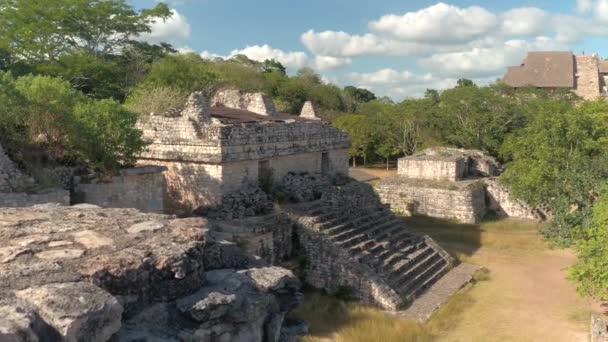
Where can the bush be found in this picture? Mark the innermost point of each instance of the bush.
(591, 269)
(146, 100)
(46, 112)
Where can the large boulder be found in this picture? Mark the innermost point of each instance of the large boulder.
(84, 273)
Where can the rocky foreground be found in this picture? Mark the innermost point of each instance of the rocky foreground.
(84, 273)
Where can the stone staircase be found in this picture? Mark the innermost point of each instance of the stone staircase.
(375, 237)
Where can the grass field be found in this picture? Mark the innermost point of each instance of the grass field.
(524, 295)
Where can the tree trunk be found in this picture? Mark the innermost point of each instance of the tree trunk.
(387, 164)
(354, 162)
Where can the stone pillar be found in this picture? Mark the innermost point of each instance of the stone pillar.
(197, 107)
(308, 111)
(587, 74)
(260, 104)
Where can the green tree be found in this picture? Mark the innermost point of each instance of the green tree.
(478, 118)
(42, 31)
(47, 112)
(188, 72)
(360, 133)
(590, 272)
(559, 159)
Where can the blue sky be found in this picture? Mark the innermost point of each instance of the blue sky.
(393, 47)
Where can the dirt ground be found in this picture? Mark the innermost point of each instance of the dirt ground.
(379, 170)
(527, 296)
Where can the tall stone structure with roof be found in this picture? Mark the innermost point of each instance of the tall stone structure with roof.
(584, 74)
(214, 146)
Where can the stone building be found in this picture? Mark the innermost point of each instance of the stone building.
(451, 184)
(214, 146)
(583, 74)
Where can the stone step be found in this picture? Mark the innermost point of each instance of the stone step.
(343, 217)
(353, 223)
(408, 279)
(412, 259)
(369, 226)
(431, 275)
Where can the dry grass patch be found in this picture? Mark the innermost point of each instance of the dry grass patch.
(332, 319)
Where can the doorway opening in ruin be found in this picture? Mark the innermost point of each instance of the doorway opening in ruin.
(325, 162)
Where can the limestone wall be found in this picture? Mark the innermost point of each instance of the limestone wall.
(141, 188)
(434, 168)
(412, 197)
(190, 185)
(22, 199)
(504, 205)
(587, 77)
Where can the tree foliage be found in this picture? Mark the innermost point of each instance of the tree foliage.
(560, 158)
(591, 269)
(48, 112)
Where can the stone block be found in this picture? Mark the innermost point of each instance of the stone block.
(78, 311)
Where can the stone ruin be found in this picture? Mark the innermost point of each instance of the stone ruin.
(19, 190)
(84, 273)
(451, 183)
(212, 150)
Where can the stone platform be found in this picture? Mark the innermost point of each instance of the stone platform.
(440, 292)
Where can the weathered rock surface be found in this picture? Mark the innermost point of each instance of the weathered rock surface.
(85, 273)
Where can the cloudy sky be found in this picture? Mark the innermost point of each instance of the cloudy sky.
(396, 48)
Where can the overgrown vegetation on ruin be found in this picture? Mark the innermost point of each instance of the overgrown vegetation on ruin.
(75, 88)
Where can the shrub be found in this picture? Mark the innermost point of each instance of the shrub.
(591, 269)
(47, 112)
(156, 99)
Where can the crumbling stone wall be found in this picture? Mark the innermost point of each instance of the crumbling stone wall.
(463, 202)
(587, 81)
(19, 190)
(254, 102)
(11, 178)
(599, 328)
(503, 204)
(142, 188)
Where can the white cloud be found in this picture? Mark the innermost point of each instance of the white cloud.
(584, 5)
(525, 21)
(260, 53)
(328, 62)
(342, 44)
(485, 61)
(601, 10)
(399, 84)
(171, 30)
(437, 23)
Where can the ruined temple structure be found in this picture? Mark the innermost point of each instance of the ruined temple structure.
(584, 74)
(212, 147)
(451, 183)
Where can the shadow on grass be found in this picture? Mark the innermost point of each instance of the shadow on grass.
(457, 238)
(332, 319)
(464, 240)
